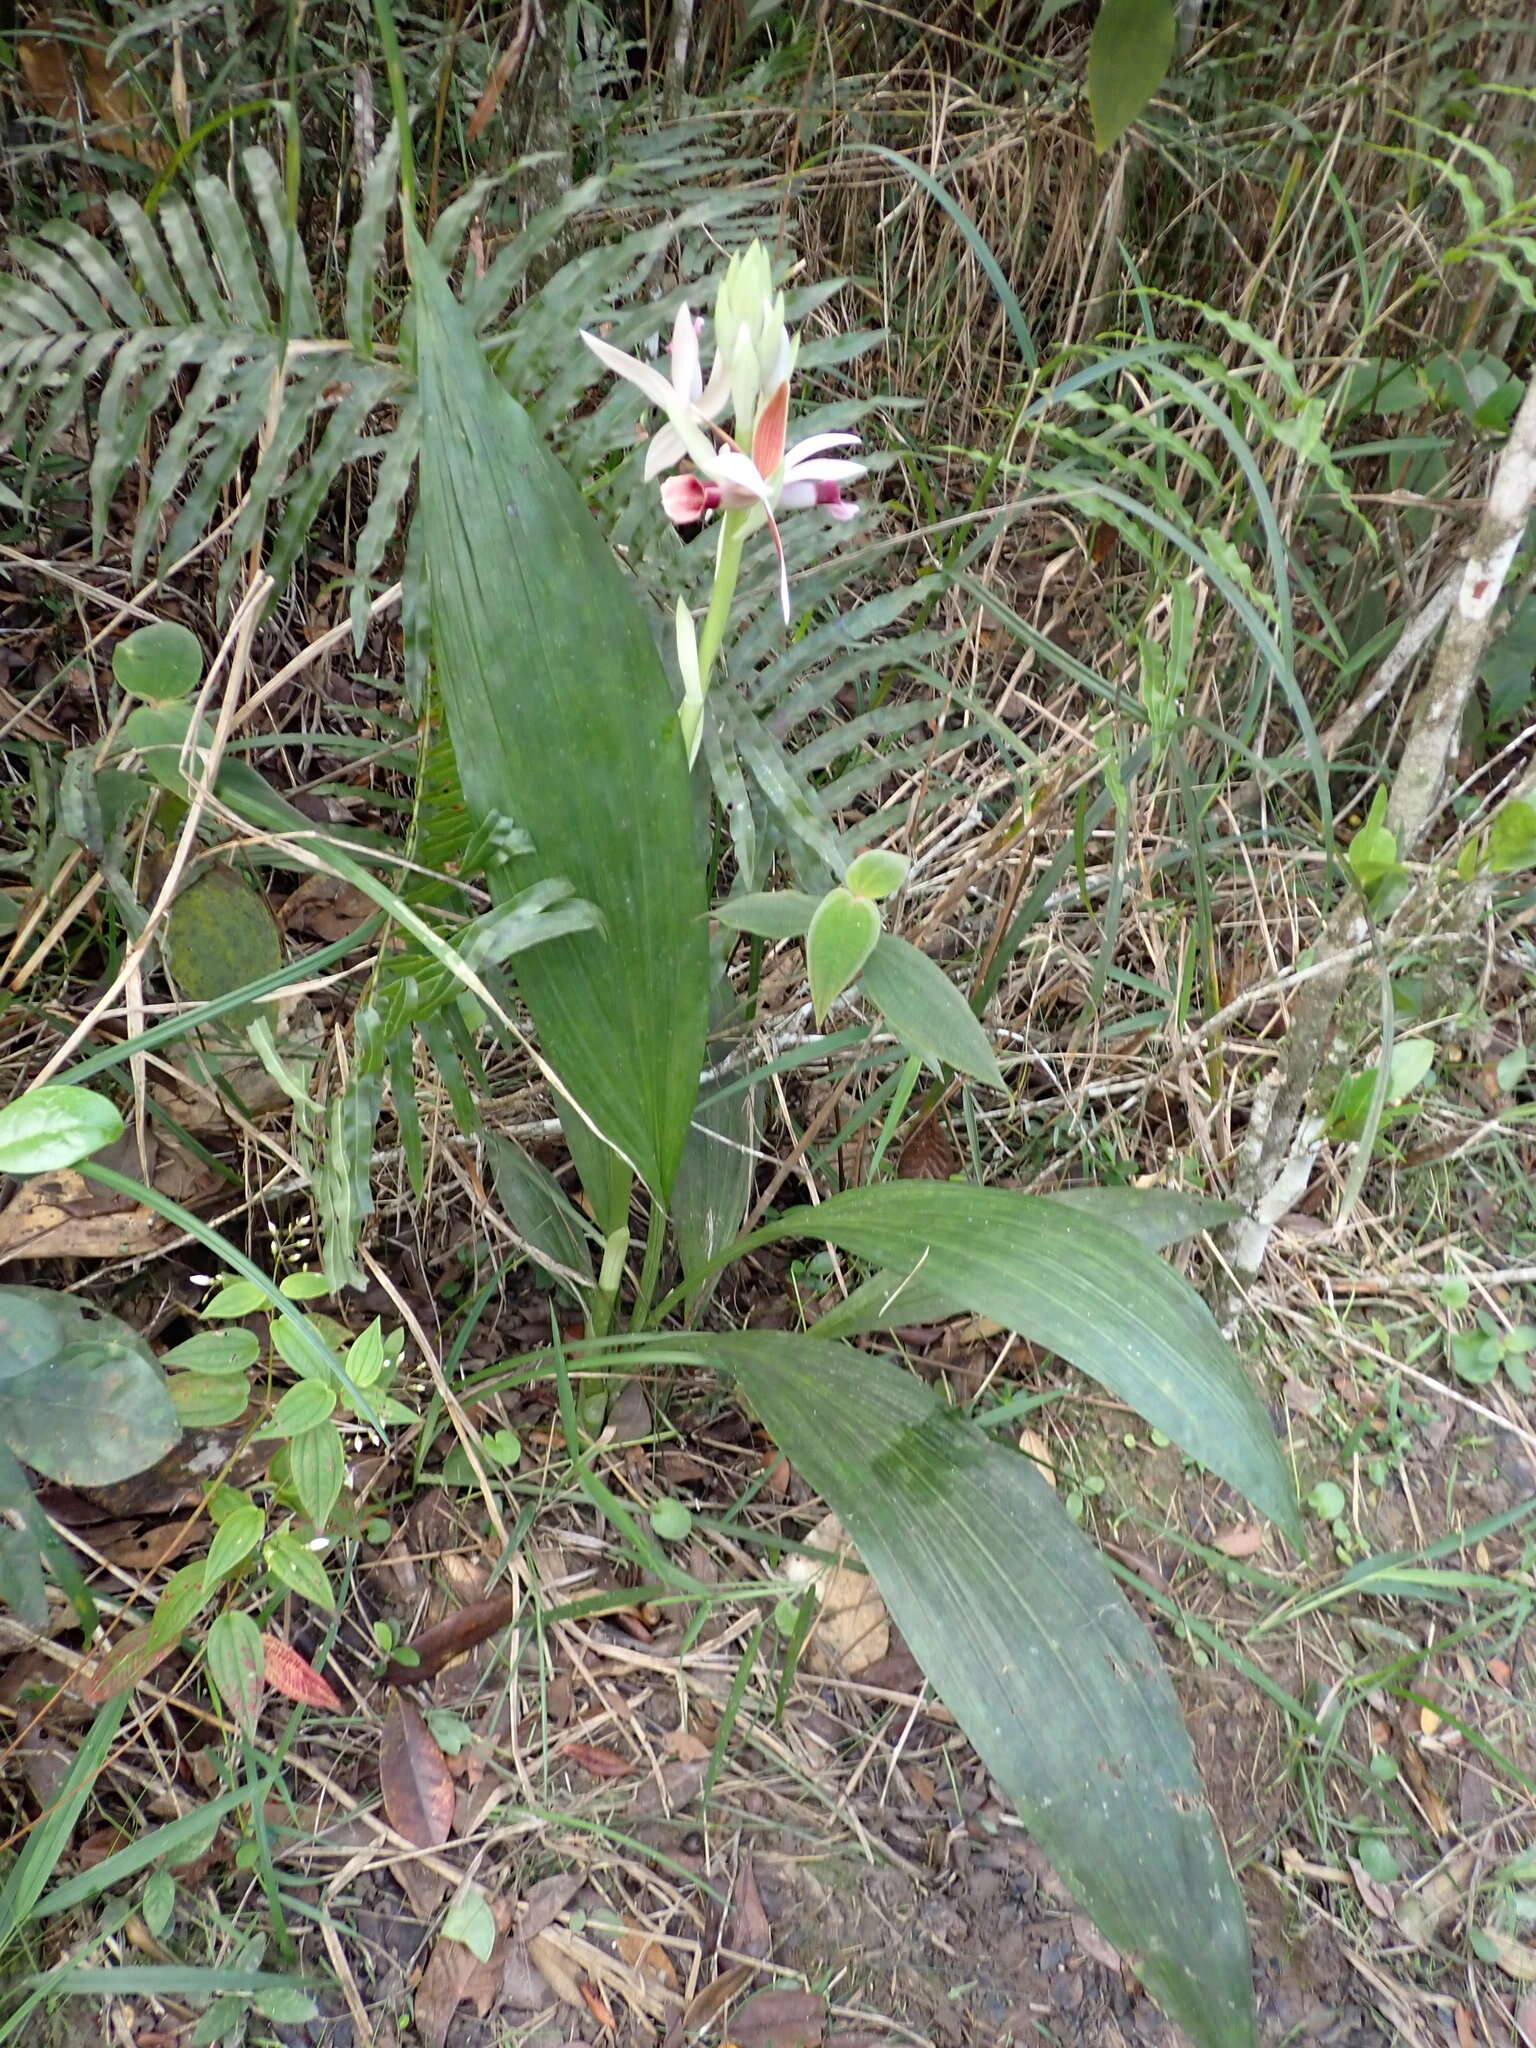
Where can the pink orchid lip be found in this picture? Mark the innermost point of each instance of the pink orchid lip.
(685, 499)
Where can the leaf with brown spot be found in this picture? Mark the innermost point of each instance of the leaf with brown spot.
(289, 1673)
(413, 1777)
(133, 1658)
(454, 1636)
(780, 2019)
(544, 1902)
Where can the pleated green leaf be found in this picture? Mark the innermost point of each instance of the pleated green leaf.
(1155, 1217)
(563, 727)
(1025, 1636)
(1087, 1291)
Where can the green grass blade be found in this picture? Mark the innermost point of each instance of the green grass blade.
(562, 723)
(50, 1835)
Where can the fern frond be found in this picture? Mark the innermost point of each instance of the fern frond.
(217, 292)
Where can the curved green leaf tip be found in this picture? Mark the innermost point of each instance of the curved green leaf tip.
(1128, 60)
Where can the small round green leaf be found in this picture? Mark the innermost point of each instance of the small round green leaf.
(55, 1126)
(160, 663)
(235, 1298)
(875, 873)
(469, 1920)
(842, 935)
(159, 1901)
(1326, 1500)
(671, 1520)
(237, 1666)
(303, 1407)
(220, 936)
(1377, 1860)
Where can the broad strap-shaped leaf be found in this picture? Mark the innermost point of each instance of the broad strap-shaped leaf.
(563, 728)
(1085, 1290)
(1155, 1217)
(1026, 1638)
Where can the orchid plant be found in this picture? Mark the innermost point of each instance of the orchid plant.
(748, 475)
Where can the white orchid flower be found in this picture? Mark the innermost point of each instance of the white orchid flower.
(769, 480)
(682, 397)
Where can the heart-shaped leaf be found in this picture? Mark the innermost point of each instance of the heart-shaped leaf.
(81, 1397)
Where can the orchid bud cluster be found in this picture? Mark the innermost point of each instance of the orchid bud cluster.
(749, 475)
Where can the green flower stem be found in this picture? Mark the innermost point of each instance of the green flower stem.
(733, 534)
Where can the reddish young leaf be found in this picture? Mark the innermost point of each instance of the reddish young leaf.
(602, 1763)
(413, 1777)
(289, 1674)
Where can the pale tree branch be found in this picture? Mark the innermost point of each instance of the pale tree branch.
(1285, 1131)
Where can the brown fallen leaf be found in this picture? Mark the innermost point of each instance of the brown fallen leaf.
(602, 1763)
(1515, 1958)
(147, 1550)
(928, 1154)
(748, 1930)
(1038, 1452)
(1092, 1943)
(597, 2005)
(1242, 1539)
(506, 68)
(851, 1630)
(548, 1959)
(643, 1952)
(455, 1976)
(1525, 2020)
(326, 907)
(61, 70)
(1377, 1898)
(454, 1637)
(702, 2011)
(780, 2019)
(1423, 1910)
(544, 1902)
(413, 1777)
(62, 1215)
